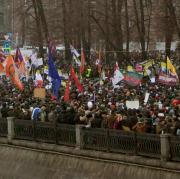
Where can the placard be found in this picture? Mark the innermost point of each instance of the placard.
(132, 104)
(146, 97)
(40, 93)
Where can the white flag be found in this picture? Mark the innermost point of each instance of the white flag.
(74, 51)
(118, 76)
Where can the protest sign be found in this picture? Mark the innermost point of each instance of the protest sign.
(146, 97)
(40, 93)
(132, 104)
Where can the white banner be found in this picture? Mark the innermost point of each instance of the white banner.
(146, 97)
(132, 104)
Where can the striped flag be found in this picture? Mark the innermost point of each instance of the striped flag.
(133, 78)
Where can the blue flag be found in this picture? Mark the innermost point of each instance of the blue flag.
(56, 79)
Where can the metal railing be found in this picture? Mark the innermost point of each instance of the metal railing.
(109, 140)
(122, 142)
(96, 139)
(175, 148)
(24, 129)
(66, 134)
(148, 145)
(3, 127)
(45, 132)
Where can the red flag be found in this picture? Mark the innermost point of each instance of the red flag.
(66, 95)
(82, 68)
(75, 78)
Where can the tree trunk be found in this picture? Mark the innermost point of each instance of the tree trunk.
(68, 56)
(119, 41)
(107, 32)
(43, 19)
(149, 9)
(173, 16)
(39, 28)
(140, 26)
(127, 29)
(89, 31)
(142, 30)
(168, 31)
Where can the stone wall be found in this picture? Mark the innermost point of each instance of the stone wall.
(30, 160)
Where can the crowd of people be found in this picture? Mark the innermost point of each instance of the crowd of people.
(98, 106)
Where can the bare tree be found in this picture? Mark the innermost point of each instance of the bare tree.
(169, 29)
(172, 11)
(140, 25)
(66, 38)
(127, 28)
(38, 27)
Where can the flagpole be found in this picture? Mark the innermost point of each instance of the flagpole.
(81, 61)
(166, 66)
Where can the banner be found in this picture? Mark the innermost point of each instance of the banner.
(167, 80)
(132, 104)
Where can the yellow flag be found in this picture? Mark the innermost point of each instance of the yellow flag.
(148, 64)
(163, 65)
(170, 66)
(130, 68)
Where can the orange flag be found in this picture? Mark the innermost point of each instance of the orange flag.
(10, 70)
(1, 68)
(11, 73)
(22, 68)
(17, 82)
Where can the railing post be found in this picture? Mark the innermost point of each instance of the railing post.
(165, 147)
(55, 130)
(136, 144)
(11, 132)
(34, 130)
(79, 136)
(108, 140)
